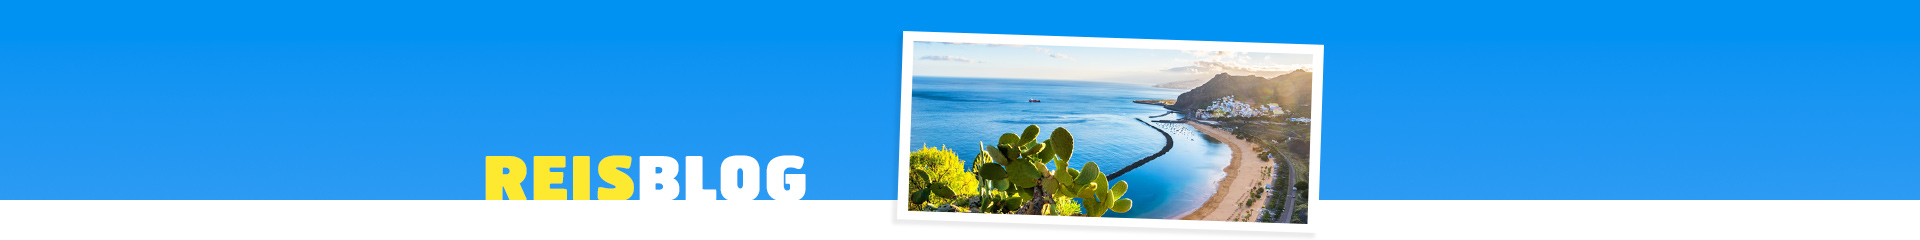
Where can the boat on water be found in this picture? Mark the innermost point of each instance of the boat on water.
(1033, 100)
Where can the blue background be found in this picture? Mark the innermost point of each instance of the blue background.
(1445, 100)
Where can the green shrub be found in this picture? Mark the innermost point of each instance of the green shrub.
(940, 167)
(1065, 206)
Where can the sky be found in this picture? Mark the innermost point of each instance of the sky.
(1127, 65)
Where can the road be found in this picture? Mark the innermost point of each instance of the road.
(1286, 214)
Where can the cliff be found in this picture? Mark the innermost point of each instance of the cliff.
(1293, 90)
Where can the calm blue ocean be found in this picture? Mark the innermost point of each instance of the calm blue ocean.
(959, 113)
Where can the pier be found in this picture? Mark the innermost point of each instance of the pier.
(1163, 115)
(1143, 161)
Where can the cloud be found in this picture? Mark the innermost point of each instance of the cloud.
(978, 44)
(950, 58)
(1188, 70)
(1210, 54)
(1213, 66)
(1048, 52)
(1246, 68)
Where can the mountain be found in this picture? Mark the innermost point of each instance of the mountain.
(1293, 90)
(1188, 84)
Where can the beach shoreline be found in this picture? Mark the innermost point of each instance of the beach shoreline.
(1243, 174)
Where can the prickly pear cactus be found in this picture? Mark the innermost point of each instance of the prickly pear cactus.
(1036, 177)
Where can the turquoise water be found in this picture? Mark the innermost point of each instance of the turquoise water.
(962, 112)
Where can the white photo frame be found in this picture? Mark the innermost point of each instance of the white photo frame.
(906, 110)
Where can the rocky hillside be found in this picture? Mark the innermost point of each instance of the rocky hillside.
(1293, 90)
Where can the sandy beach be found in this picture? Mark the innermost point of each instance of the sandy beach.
(1243, 174)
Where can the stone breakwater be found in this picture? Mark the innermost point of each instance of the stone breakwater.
(1143, 161)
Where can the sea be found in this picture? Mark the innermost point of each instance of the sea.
(960, 113)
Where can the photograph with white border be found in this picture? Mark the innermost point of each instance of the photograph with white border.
(1110, 132)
